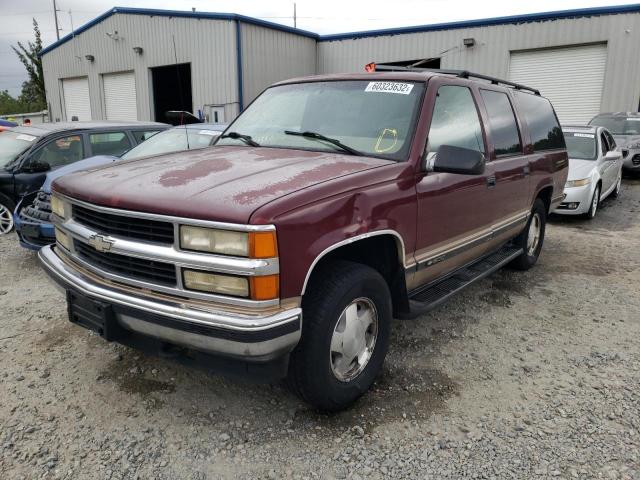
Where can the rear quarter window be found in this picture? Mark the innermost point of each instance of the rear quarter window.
(544, 128)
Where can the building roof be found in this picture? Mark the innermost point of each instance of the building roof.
(512, 19)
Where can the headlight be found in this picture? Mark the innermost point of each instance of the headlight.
(226, 242)
(58, 207)
(577, 183)
(63, 239)
(633, 146)
(215, 283)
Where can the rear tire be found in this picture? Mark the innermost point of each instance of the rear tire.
(345, 334)
(595, 202)
(532, 237)
(6, 215)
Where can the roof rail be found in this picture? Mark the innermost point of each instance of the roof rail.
(457, 73)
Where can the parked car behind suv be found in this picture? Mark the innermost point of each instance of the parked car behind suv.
(32, 214)
(27, 153)
(595, 170)
(330, 205)
(625, 127)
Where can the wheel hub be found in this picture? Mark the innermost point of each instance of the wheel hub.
(533, 239)
(6, 220)
(353, 340)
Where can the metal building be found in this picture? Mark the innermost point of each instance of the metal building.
(123, 65)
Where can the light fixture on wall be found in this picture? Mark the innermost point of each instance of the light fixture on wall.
(138, 50)
(90, 58)
(469, 42)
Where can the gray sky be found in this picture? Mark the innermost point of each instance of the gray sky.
(324, 16)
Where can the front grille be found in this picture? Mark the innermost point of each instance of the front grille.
(124, 227)
(130, 267)
(636, 159)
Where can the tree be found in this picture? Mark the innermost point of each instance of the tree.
(33, 95)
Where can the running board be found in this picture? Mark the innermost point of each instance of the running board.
(430, 296)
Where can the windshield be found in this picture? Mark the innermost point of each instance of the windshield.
(373, 118)
(173, 140)
(13, 144)
(581, 145)
(619, 125)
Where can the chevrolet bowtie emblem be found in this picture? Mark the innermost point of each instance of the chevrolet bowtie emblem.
(101, 243)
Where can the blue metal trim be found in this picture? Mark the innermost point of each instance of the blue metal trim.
(239, 67)
(180, 14)
(513, 19)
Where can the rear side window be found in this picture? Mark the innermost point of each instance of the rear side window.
(109, 143)
(455, 120)
(61, 151)
(504, 129)
(542, 122)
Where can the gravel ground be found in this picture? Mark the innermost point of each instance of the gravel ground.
(524, 375)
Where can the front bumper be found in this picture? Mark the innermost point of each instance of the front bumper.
(260, 337)
(631, 160)
(579, 195)
(33, 235)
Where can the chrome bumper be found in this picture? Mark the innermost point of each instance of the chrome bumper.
(247, 337)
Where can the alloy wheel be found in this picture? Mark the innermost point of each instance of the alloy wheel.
(6, 220)
(533, 239)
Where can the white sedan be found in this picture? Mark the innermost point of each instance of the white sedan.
(595, 170)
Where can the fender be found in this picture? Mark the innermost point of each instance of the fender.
(399, 244)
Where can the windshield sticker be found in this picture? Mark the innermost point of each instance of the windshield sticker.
(387, 140)
(585, 135)
(27, 138)
(390, 87)
(213, 133)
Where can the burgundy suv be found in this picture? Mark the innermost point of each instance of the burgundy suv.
(331, 205)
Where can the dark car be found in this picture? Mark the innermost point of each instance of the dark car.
(28, 153)
(32, 215)
(329, 206)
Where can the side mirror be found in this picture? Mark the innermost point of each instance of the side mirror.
(37, 167)
(459, 160)
(613, 155)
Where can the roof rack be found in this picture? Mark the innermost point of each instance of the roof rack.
(457, 73)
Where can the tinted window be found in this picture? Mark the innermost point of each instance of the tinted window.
(109, 143)
(61, 151)
(611, 140)
(581, 145)
(542, 122)
(504, 130)
(142, 135)
(455, 120)
(605, 144)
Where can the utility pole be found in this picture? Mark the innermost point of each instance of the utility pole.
(55, 15)
(295, 17)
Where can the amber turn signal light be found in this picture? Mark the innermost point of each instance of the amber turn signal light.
(263, 245)
(266, 287)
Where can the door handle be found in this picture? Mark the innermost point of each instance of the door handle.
(491, 181)
(526, 170)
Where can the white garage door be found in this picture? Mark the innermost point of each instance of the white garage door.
(120, 96)
(572, 78)
(76, 98)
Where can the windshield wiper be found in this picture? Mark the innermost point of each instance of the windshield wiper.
(238, 136)
(334, 141)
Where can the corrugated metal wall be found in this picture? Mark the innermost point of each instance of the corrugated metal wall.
(208, 45)
(491, 54)
(269, 56)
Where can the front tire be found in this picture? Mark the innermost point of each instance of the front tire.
(345, 334)
(595, 202)
(6, 216)
(532, 237)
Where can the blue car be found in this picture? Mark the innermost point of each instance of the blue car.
(32, 215)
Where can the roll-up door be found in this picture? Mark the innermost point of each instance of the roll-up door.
(76, 98)
(571, 77)
(120, 96)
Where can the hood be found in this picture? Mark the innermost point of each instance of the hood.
(218, 183)
(85, 164)
(579, 169)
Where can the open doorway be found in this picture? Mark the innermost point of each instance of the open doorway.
(171, 90)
